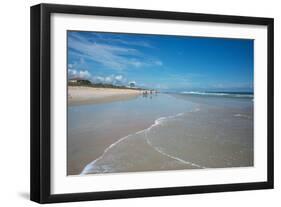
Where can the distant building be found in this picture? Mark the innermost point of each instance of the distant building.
(132, 84)
(79, 81)
(72, 81)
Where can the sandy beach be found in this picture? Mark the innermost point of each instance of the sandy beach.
(78, 95)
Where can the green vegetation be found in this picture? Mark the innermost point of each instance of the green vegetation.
(80, 82)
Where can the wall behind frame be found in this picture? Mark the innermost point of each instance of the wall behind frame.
(14, 104)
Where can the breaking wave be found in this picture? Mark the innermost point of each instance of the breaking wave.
(221, 94)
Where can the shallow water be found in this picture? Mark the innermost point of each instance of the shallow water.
(161, 132)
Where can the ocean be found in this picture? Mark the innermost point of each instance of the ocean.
(164, 131)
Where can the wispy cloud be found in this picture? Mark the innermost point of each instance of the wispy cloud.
(116, 57)
(121, 40)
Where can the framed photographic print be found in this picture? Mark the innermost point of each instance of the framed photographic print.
(132, 103)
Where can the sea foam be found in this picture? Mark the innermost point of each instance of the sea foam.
(221, 94)
(88, 168)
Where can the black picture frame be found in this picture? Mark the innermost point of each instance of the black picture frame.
(40, 184)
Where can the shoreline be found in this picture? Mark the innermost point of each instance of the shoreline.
(100, 140)
(185, 164)
(144, 135)
(80, 95)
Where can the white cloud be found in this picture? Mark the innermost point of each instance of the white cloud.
(126, 42)
(112, 56)
(108, 79)
(111, 79)
(119, 77)
(114, 79)
(72, 73)
(83, 74)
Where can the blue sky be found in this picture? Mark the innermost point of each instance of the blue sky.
(162, 62)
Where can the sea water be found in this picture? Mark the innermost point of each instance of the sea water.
(172, 131)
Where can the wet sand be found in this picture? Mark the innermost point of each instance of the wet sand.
(92, 128)
(84, 146)
(134, 154)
